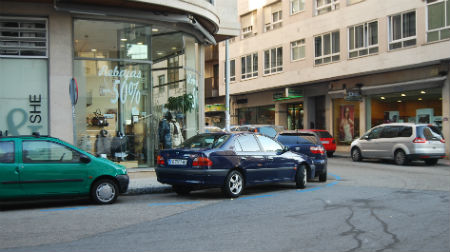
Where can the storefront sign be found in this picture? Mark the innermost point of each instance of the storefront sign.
(214, 107)
(289, 93)
(125, 85)
(353, 94)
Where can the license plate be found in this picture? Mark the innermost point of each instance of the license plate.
(325, 142)
(177, 161)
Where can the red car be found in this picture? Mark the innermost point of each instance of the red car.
(327, 140)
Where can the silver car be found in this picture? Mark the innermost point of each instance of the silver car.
(401, 142)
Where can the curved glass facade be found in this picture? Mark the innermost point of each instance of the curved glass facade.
(138, 89)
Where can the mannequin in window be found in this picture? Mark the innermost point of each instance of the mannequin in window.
(165, 137)
(175, 133)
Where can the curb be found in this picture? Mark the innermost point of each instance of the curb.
(148, 190)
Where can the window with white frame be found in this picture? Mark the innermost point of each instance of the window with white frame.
(325, 6)
(249, 66)
(297, 6)
(232, 70)
(248, 22)
(161, 82)
(326, 48)
(273, 60)
(438, 13)
(23, 37)
(363, 39)
(350, 2)
(273, 17)
(298, 49)
(402, 30)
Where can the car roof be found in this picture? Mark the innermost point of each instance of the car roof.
(406, 124)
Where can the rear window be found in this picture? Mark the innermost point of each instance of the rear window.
(429, 132)
(295, 138)
(268, 131)
(324, 134)
(210, 141)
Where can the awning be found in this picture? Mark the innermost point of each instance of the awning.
(435, 82)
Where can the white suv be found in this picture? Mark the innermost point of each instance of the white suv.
(401, 142)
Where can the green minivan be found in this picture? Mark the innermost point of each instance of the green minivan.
(40, 166)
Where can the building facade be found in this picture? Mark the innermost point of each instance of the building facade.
(137, 68)
(340, 65)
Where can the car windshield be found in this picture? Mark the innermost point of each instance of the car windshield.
(294, 138)
(205, 141)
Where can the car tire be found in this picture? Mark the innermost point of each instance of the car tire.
(104, 191)
(432, 161)
(356, 155)
(301, 176)
(234, 184)
(181, 190)
(323, 177)
(400, 158)
(330, 154)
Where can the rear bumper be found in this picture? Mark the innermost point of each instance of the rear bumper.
(124, 181)
(426, 156)
(193, 177)
(321, 166)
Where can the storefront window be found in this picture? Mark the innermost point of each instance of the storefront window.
(257, 115)
(128, 110)
(417, 106)
(346, 120)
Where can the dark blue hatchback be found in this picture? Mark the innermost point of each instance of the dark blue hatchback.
(230, 161)
(307, 143)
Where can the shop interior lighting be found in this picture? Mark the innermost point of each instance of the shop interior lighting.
(160, 53)
(420, 99)
(399, 101)
(383, 98)
(123, 39)
(174, 48)
(403, 95)
(423, 92)
(93, 50)
(155, 30)
(139, 43)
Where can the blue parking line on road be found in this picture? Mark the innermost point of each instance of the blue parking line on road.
(255, 197)
(336, 176)
(174, 203)
(309, 189)
(63, 209)
(331, 184)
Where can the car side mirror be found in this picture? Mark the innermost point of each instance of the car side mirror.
(366, 137)
(281, 151)
(85, 159)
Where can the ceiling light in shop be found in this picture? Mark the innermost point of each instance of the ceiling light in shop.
(160, 53)
(155, 30)
(399, 101)
(403, 95)
(383, 98)
(420, 99)
(123, 39)
(423, 92)
(140, 43)
(93, 50)
(174, 48)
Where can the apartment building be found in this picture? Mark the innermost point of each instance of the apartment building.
(133, 62)
(340, 65)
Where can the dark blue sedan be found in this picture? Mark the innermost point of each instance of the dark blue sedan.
(230, 161)
(307, 143)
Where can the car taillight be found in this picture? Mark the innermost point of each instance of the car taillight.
(160, 160)
(256, 130)
(419, 140)
(317, 150)
(200, 162)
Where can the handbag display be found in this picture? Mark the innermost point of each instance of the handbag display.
(99, 119)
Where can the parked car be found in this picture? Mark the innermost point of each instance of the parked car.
(307, 143)
(268, 130)
(401, 142)
(209, 129)
(231, 161)
(41, 166)
(328, 141)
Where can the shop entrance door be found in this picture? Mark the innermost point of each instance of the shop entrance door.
(295, 116)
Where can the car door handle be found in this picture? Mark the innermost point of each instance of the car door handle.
(17, 169)
(243, 158)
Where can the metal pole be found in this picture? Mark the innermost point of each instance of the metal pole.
(227, 87)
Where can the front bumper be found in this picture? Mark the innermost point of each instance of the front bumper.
(124, 181)
(193, 177)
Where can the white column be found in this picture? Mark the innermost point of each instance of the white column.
(446, 114)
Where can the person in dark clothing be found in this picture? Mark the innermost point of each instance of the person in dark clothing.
(164, 131)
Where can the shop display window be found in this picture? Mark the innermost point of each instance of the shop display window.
(346, 121)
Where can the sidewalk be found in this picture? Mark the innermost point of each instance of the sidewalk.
(143, 181)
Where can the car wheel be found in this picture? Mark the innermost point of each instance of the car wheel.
(323, 177)
(432, 161)
(356, 155)
(181, 190)
(330, 154)
(400, 158)
(234, 184)
(104, 191)
(301, 177)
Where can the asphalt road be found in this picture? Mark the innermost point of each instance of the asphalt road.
(368, 206)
